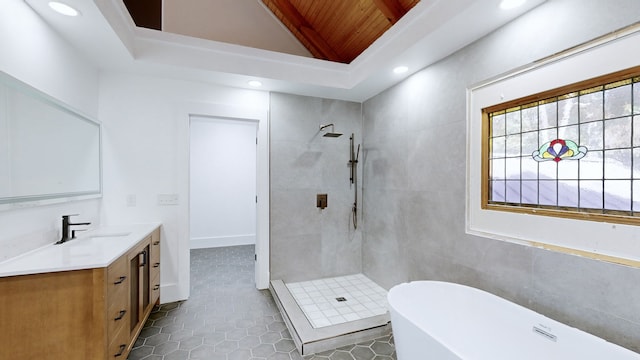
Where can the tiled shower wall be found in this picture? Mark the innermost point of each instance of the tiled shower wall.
(414, 182)
(308, 243)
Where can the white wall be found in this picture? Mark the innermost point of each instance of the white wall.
(146, 153)
(222, 182)
(32, 53)
(247, 23)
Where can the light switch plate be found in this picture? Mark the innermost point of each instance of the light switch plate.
(167, 199)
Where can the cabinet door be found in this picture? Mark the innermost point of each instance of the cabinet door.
(144, 268)
(139, 271)
(134, 309)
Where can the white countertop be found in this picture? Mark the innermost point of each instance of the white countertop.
(94, 249)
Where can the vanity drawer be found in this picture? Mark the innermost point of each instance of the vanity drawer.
(155, 251)
(118, 346)
(117, 314)
(117, 276)
(154, 289)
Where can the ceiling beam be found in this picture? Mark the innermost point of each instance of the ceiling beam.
(320, 46)
(392, 9)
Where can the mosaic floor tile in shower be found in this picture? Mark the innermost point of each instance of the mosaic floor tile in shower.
(338, 300)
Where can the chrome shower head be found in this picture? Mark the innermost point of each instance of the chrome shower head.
(330, 134)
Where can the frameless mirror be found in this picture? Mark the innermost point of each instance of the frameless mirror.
(48, 152)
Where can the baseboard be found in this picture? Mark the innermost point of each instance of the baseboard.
(222, 241)
(170, 293)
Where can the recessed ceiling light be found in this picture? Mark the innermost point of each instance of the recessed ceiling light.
(63, 8)
(255, 83)
(510, 4)
(400, 69)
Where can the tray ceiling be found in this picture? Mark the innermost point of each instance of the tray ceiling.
(333, 30)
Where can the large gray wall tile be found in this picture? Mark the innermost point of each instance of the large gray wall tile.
(414, 185)
(306, 242)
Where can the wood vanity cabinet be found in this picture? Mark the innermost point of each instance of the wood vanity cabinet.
(81, 314)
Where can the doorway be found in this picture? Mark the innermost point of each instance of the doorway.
(223, 182)
(179, 290)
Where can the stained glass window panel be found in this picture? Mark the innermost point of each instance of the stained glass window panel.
(548, 192)
(548, 170)
(497, 169)
(617, 195)
(636, 96)
(568, 111)
(498, 125)
(591, 167)
(591, 135)
(591, 106)
(513, 192)
(569, 132)
(577, 151)
(530, 119)
(617, 133)
(529, 143)
(498, 147)
(513, 145)
(497, 190)
(568, 170)
(545, 136)
(548, 114)
(513, 122)
(617, 101)
(617, 164)
(530, 192)
(530, 168)
(591, 194)
(512, 168)
(568, 193)
(636, 164)
(636, 195)
(636, 130)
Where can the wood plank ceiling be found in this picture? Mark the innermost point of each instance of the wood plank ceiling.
(334, 30)
(338, 30)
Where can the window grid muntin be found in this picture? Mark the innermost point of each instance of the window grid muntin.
(562, 123)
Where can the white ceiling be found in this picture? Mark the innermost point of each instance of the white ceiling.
(433, 29)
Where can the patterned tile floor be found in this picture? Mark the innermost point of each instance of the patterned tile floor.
(226, 318)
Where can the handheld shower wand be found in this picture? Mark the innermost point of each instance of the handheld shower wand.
(353, 163)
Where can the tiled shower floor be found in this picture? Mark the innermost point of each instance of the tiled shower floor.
(226, 318)
(333, 301)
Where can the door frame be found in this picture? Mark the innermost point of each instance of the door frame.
(261, 116)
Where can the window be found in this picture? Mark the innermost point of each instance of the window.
(570, 152)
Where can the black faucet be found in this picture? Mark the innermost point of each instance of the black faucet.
(65, 229)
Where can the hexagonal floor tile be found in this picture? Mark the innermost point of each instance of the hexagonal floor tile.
(226, 318)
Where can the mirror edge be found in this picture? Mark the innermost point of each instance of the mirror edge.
(21, 202)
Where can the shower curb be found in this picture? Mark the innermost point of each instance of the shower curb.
(309, 340)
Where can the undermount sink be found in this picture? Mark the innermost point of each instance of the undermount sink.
(109, 234)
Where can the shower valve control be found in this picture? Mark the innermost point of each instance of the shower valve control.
(321, 201)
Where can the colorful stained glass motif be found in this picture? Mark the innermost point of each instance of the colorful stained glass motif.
(558, 150)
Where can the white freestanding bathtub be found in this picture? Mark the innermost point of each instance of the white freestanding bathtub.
(446, 321)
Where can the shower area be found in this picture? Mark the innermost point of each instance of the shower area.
(316, 236)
